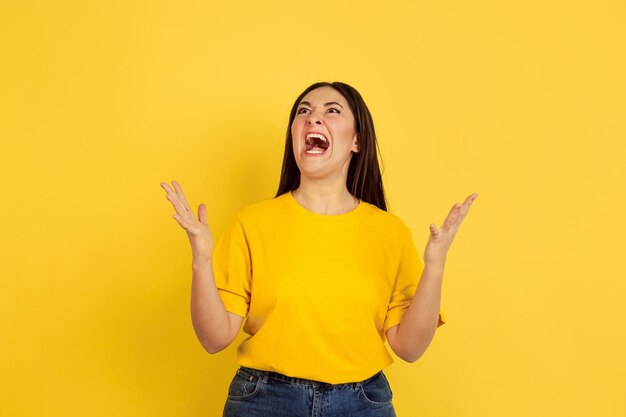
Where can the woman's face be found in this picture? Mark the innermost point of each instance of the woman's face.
(323, 111)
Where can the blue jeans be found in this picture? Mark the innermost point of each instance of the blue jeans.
(256, 393)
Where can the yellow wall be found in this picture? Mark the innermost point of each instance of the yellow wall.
(100, 102)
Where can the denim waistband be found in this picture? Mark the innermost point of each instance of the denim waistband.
(265, 375)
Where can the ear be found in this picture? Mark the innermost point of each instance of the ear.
(356, 147)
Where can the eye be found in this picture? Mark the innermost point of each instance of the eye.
(332, 108)
(300, 110)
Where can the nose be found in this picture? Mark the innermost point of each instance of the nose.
(313, 118)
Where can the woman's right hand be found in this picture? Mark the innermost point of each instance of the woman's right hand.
(197, 230)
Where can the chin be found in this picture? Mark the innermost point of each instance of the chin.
(312, 172)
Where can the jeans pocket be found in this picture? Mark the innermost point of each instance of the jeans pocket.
(243, 385)
(377, 390)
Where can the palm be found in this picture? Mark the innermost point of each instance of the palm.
(440, 240)
(197, 229)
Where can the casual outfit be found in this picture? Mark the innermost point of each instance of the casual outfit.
(319, 292)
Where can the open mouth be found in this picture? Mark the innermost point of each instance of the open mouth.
(316, 144)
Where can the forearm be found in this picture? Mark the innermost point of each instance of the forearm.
(419, 322)
(208, 314)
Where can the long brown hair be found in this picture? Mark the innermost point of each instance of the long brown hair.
(364, 180)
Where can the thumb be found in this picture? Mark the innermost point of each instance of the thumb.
(202, 214)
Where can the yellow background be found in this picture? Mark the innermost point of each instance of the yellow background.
(521, 102)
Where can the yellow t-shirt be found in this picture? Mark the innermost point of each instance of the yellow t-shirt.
(319, 291)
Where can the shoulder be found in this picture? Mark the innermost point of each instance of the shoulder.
(384, 220)
(381, 216)
(260, 209)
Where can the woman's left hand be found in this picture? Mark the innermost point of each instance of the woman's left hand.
(440, 240)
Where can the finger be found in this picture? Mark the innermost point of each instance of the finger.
(466, 205)
(462, 209)
(181, 195)
(180, 221)
(451, 213)
(433, 230)
(167, 188)
(170, 192)
(202, 214)
(468, 201)
(175, 199)
(454, 212)
(172, 198)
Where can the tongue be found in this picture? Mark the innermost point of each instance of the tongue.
(316, 149)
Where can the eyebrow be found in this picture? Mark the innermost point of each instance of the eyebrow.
(325, 104)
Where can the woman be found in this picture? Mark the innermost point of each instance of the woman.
(322, 272)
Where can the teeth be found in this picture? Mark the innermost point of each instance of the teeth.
(315, 135)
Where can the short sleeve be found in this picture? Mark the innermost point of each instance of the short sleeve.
(408, 275)
(232, 269)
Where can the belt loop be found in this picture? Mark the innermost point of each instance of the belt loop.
(264, 377)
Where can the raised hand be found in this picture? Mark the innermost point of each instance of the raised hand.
(440, 240)
(197, 230)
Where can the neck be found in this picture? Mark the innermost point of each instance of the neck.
(324, 197)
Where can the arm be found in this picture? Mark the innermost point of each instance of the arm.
(215, 327)
(410, 339)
